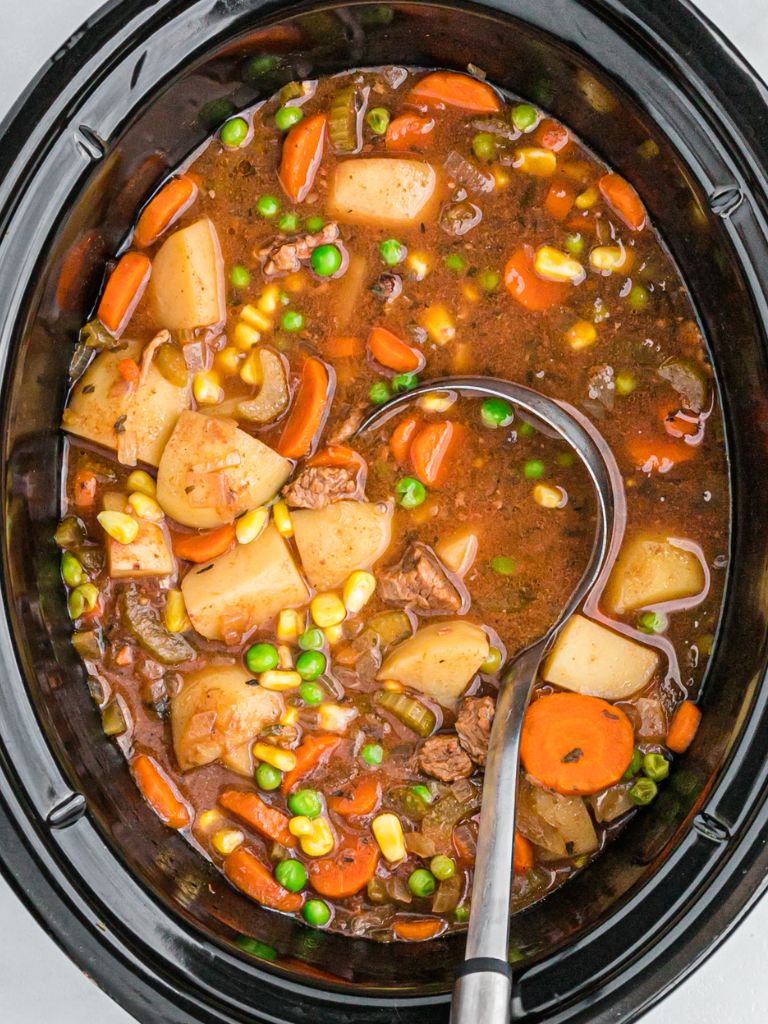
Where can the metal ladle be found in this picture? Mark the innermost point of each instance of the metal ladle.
(483, 990)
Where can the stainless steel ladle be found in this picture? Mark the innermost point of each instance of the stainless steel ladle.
(483, 990)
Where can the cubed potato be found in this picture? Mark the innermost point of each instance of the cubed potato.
(243, 588)
(439, 660)
(211, 472)
(102, 398)
(457, 551)
(336, 540)
(186, 289)
(216, 712)
(382, 191)
(588, 658)
(650, 570)
(148, 555)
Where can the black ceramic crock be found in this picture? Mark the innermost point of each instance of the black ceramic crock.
(130, 902)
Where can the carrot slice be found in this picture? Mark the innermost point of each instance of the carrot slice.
(552, 135)
(202, 547)
(302, 153)
(158, 792)
(251, 809)
(347, 346)
(386, 348)
(574, 744)
(623, 200)
(129, 370)
(416, 929)
(246, 872)
(123, 291)
(362, 797)
(523, 859)
(683, 727)
(524, 284)
(309, 408)
(450, 89)
(164, 209)
(658, 455)
(84, 488)
(348, 871)
(559, 200)
(337, 455)
(678, 423)
(410, 131)
(433, 449)
(312, 751)
(402, 435)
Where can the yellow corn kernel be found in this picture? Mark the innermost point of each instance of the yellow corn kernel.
(461, 357)
(283, 760)
(554, 265)
(548, 496)
(500, 176)
(437, 401)
(253, 317)
(249, 526)
(227, 840)
(438, 323)
(227, 362)
(327, 609)
(209, 819)
(295, 282)
(648, 149)
(333, 634)
(250, 371)
(335, 717)
(315, 837)
(470, 292)
(282, 518)
(290, 716)
(284, 656)
(358, 590)
(607, 259)
(578, 170)
(581, 335)
(290, 625)
(587, 199)
(388, 833)
(393, 685)
(120, 526)
(142, 482)
(145, 507)
(246, 337)
(419, 264)
(534, 160)
(279, 679)
(206, 388)
(175, 618)
(301, 825)
(269, 300)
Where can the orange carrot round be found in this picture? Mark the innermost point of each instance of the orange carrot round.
(410, 131)
(337, 455)
(432, 450)
(84, 488)
(524, 284)
(123, 291)
(302, 153)
(552, 135)
(246, 872)
(574, 744)
(129, 370)
(386, 348)
(164, 209)
(450, 89)
(309, 755)
(251, 809)
(559, 200)
(202, 547)
(415, 929)
(658, 455)
(308, 411)
(362, 797)
(683, 727)
(678, 423)
(345, 346)
(623, 200)
(402, 435)
(523, 859)
(348, 870)
(158, 792)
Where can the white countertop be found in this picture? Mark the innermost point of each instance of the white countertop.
(38, 984)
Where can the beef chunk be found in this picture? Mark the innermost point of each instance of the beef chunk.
(319, 486)
(474, 726)
(443, 758)
(419, 581)
(348, 425)
(285, 257)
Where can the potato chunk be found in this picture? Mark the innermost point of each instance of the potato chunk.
(102, 399)
(211, 471)
(148, 555)
(650, 570)
(439, 660)
(458, 551)
(187, 285)
(377, 190)
(217, 712)
(336, 540)
(243, 587)
(588, 658)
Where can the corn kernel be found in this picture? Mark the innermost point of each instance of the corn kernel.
(470, 292)
(333, 634)
(145, 507)
(357, 591)
(461, 357)
(175, 618)
(581, 335)
(438, 323)
(227, 362)
(209, 819)
(251, 371)
(548, 496)
(393, 685)
(253, 317)
(587, 199)
(142, 482)
(282, 518)
(249, 526)
(279, 679)
(578, 170)
(290, 625)
(388, 833)
(500, 176)
(120, 526)
(227, 840)
(290, 716)
(554, 265)
(300, 825)
(283, 760)
(327, 609)
(437, 401)
(206, 388)
(269, 300)
(315, 837)
(607, 259)
(284, 656)
(246, 337)
(335, 717)
(419, 264)
(533, 160)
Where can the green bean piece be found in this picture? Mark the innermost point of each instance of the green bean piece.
(142, 622)
(411, 712)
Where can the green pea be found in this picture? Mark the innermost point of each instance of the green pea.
(71, 570)
(234, 132)
(325, 260)
(372, 754)
(392, 252)
(493, 662)
(292, 321)
(410, 493)
(287, 117)
(625, 383)
(504, 565)
(289, 222)
(643, 792)
(523, 117)
(638, 297)
(652, 622)
(454, 262)
(311, 694)
(267, 206)
(377, 120)
(316, 912)
(484, 146)
(496, 412)
(379, 392)
(82, 599)
(461, 914)
(442, 867)
(404, 382)
(525, 430)
(423, 793)
(634, 765)
(261, 658)
(261, 65)
(574, 243)
(534, 469)
(267, 777)
(315, 224)
(239, 276)
(488, 280)
(305, 803)
(291, 874)
(310, 665)
(422, 882)
(656, 767)
(312, 640)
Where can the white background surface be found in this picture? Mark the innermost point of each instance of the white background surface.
(38, 984)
